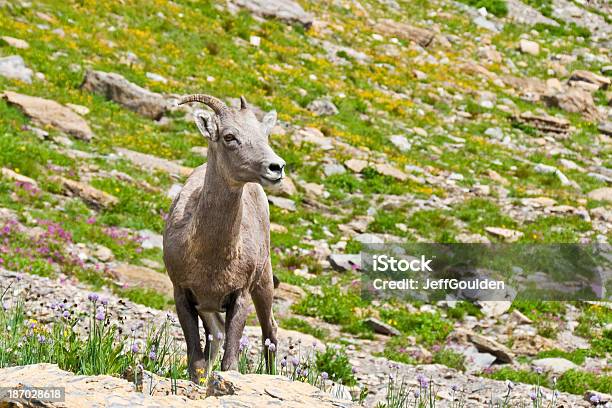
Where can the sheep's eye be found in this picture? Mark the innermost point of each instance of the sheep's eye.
(230, 138)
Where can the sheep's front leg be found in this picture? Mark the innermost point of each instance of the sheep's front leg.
(188, 317)
(263, 296)
(235, 319)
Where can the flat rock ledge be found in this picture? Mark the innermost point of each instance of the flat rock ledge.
(226, 389)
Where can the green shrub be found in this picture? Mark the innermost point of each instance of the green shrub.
(335, 362)
(450, 359)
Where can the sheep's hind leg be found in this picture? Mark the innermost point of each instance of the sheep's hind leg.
(263, 296)
(235, 319)
(188, 317)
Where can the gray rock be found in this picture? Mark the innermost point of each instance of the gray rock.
(529, 47)
(156, 77)
(605, 128)
(322, 107)
(554, 365)
(345, 262)
(15, 42)
(331, 169)
(151, 239)
(48, 112)
(573, 100)
(482, 22)
(400, 142)
(13, 67)
(287, 11)
(525, 14)
(381, 327)
(118, 89)
(282, 202)
(153, 162)
(546, 169)
(601, 194)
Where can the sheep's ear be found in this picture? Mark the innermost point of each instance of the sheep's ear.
(206, 124)
(269, 121)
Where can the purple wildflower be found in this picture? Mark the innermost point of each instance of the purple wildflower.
(423, 381)
(219, 336)
(93, 297)
(210, 337)
(283, 362)
(533, 395)
(324, 376)
(244, 343)
(295, 361)
(100, 315)
(594, 399)
(272, 347)
(135, 348)
(267, 342)
(152, 355)
(66, 314)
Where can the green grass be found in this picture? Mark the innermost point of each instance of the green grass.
(572, 381)
(450, 359)
(147, 297)
(294, 323)
(428, 328)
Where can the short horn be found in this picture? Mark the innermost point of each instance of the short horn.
(215, 104)
(243, 102)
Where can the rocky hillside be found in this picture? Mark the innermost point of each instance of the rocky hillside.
(423, 121)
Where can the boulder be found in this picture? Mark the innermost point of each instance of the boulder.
(151, 239)
(133, 276)
(314, 136)
(15, 42)
(544, 123)
(381, 327)
(224, 389)
(529, 47)
(506, 234)
(90, 195)
(13, 67)
(153, 162)
(601, 82)
(356, 165)
(286, 188)
(554, 365)
(252, 390)
(573, 100)
(483, 344)
(322, 107)
(525, 14)
(287, 11)
(388, 170)
(400, 142)
(19, 178)
(281, 202)
(47, 112)
(601, 194)
(331, 169)
(421, 36)
(530, 345)
(345, 262)
(116, 88)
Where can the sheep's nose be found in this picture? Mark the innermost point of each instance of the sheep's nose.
(277, 167)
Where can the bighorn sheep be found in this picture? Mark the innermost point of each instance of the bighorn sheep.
(217, 236)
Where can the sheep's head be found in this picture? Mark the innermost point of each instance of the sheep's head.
(239, 141)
